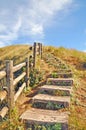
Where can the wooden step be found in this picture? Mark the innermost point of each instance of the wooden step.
(60, 81)
(46, 99)
(40, 116)
(63, 70)
(62, 75)
(56, 90)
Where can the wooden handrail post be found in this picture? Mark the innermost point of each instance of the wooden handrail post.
(39, 45)
(9, 82)
(34, 54)
(41, 50)
(27, 72)
(30, 63)
(37, 51)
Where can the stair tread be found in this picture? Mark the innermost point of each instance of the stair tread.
(60, 79)
(53, 87)
(41, 116)
(48, 98)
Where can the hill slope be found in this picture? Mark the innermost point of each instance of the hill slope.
(75, 60)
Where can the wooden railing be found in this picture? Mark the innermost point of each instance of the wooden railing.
(12, 81)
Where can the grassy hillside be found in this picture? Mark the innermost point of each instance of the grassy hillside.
(70, 56)
(17, 53)
(75, 60)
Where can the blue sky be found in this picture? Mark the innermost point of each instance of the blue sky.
(52, 22)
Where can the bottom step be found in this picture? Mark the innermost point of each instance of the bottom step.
(40, 116)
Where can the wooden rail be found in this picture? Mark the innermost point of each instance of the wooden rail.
(19, 78)
(3, 95)
(19, 91)
(11, 82)
(18, 67)
(2, 74)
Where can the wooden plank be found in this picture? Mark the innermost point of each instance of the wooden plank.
(17, 67)
(9, 81)
(40, 116)
(3, 95)
(19, 78)
(63, 70)
(60, 81)
(19, 91)
(44, 98)
(51, 88)
(63, 74)
(27, 72)
(2, 74)
(3, 112)
(34, 54)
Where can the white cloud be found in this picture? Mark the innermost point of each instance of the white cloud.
(27, 17)
(84, 51)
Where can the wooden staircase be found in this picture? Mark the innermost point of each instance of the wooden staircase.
(51, 104)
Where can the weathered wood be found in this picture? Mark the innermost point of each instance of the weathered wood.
(19, 91)
(63, 70)
(40, 116)
(30, 62)
(44, 98)
(41, 50)
(27, 72)
(3, 112)
(64, 90)
(19, 78)
(17, 67)
(9, 82)
(64, 74)
(3, 95)
(2, 74)
(34, 55)
(60, 81)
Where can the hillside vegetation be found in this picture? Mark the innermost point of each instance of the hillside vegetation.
(17, 53)
(74, 59)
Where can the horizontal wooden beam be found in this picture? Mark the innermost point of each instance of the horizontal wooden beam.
(19, 91)
(3, 95)
(19, 78)
(17, 67)
(40, 116)
(2, 74)
(60, 81)
(45, 98)
(3, 112)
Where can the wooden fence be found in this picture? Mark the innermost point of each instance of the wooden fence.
(9, 73)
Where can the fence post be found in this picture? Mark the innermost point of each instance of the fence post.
(9, 82)
(27, 72)
(34, 54)
(30, 63)
(41, 50)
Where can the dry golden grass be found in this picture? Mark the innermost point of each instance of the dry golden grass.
(76, 61)
(17, 53)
